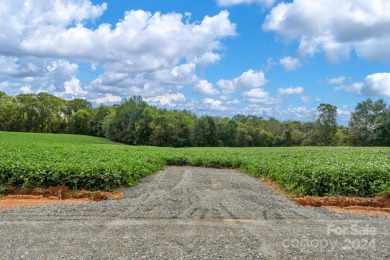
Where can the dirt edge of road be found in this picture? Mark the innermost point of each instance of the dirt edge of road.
(377, 206)
(14, 197)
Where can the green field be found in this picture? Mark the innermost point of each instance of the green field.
(82, 162)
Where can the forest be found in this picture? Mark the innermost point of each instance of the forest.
(135, 122)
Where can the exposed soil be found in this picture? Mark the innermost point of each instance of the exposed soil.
(15, 197)
(378, 206)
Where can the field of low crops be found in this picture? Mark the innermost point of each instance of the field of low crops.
(82, 162)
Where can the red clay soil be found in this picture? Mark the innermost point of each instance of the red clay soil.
(15, 197)
(378, 206)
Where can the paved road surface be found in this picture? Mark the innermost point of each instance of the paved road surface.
(191, 213)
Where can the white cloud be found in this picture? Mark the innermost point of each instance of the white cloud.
(265, 3)
(290, 63)
(355, 87)
(167, 99)
(249, 79)
(206, 88)
(309, 100)
(299, 113)
(108, 98)
(335, 27)
(214, 104)
(38, 75)
(205, 59)
(377, 84)
(258, 95)
(290, 91)
(139, 36)
(181, 74)
(337, 80)
(233, 102)
(73, 87)
(144, 53)
(345, 111)
(25, 90)
(306, 99)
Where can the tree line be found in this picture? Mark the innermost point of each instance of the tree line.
(137, 123)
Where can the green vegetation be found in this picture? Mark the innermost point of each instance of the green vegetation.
(137, 123)
(82, 162)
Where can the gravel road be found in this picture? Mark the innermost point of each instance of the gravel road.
(191, 213)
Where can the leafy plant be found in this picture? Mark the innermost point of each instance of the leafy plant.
(83, 162)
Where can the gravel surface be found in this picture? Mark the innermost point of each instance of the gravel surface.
(191, 213)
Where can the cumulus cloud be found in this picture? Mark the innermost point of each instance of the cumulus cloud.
(25, 90)
(337, 80)
(290, 63)
(33, 75)
(356, 87)
(258, 95)
(290, 91)
(249, 79)
(214, 104)
(56, 29)
(107, 99)
(308, 100)
(265, 3)
(206, 88)
(300, 113)
(205, 59)
(167, 99)
(335, 27)
(377, 84)
(181, 74)
(291, 112)
(73, 87)
(144, 53)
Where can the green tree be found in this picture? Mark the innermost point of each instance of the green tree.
(326, 123)
(74, 105)
(10, 115)
(381, 135)
(365, 121)
(204, 132)
(97, 119)
(79, 122)
(122, 126)
(228, 134)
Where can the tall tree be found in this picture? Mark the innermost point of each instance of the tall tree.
(365, 122)
(326, 123)
(97, 119)
(204, 132)
(79, 122)
(122, 126)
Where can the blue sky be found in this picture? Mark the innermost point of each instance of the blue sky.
(218, 57)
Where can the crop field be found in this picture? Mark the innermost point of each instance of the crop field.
(82, 162)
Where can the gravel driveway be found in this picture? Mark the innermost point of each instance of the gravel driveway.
(191, 213)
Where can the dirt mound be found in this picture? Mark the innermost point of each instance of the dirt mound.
(62, 192)
(379, 206)
(16, 197)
